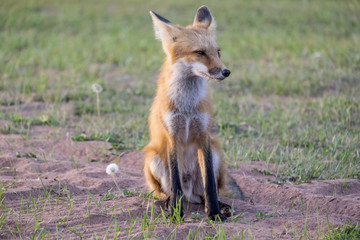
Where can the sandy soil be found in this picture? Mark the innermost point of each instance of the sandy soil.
(290, 208)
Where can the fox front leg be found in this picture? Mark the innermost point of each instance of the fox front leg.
(210, 194)
(176, 191)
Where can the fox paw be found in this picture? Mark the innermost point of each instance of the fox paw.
(218, 217)
(225, 209)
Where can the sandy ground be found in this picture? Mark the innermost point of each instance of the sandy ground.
(290, 208)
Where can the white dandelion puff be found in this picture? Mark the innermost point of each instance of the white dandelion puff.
(97, 88)
(317, 55)
(112, 168)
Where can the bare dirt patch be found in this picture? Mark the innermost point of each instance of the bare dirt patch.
(47, 165)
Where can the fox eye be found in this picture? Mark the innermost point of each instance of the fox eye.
(219, 53)
(202, 53)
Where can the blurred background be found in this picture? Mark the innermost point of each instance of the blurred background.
(292, 98)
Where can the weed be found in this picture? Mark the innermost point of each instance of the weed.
(129, 193)
(349, 231)
(261, 215)
(195, 216)
(115, 139)
(176, 217)
(98, 203)
(42, 120)
(109, 195)
(263, 172)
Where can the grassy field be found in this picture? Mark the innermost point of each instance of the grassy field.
(293, 98)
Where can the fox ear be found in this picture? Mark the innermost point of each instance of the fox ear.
(164, 29)
(203, 18)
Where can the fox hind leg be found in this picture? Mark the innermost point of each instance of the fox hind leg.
(157, 175)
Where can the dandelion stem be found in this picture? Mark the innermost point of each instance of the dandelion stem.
(113, 175)
(98, 104)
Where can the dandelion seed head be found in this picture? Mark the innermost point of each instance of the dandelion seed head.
(97, 88)
(317, 55)
(112, 168)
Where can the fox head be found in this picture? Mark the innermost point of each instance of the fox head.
(193, 45)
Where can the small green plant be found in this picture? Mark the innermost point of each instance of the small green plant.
(263, 172)
(349, 231)
(195, 216)
(218, 232)
(176, 217)
(81, 137)
(98, 203)
(148, 222)
(44, 119)
(109, 195)
(129, 193)
(236, 217)
(116, 140)
(193, 235)
(261, 215)
(12, 129)
(26, 155)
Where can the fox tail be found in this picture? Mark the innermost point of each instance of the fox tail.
(232, 189)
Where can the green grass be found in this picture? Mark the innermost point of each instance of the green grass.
(117, 143)
(293, 98)
(349, 231)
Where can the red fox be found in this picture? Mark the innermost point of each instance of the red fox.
(182, 159)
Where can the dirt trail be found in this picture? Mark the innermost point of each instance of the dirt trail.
(49, 159)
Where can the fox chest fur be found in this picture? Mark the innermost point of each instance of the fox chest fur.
(185, 121)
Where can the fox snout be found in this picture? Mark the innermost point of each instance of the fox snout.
(219, 74)
(226, 72)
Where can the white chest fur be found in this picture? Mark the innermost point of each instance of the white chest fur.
(186, 126)
(185, 92)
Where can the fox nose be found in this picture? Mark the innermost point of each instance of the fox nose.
(226, 72)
